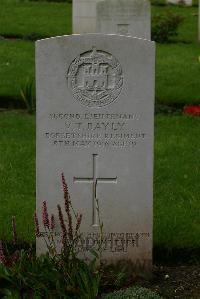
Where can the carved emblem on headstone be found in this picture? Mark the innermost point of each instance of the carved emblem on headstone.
(95, 78)
(123, 29)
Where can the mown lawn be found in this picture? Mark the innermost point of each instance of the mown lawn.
(178, 74)
(43, 18)
(177, 176)
(17, 172)
(188, 31)
(177, 68)
(16, 64)
(176, 182)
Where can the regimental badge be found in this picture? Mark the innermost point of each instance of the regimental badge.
(95, 78)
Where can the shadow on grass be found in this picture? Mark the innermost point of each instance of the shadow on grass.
(176, 256)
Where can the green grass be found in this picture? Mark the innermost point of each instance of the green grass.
(177, 176)
(16, 64)
(17, 172)
(44, 18)
(177, 69)
(188, 31)
(178, 74)
(178, 65)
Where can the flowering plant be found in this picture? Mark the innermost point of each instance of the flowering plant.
(70, 233)
(56, 274)
(192, 110)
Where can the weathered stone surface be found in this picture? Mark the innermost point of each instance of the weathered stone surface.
(84, 16)
(126, 17)
(95, 115)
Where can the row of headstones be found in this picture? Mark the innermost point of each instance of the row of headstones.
(185, 2)
(126, 17)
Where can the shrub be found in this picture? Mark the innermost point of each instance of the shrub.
(48, 278)
(62, 274)
(195, 3)
(159, 2)
(165, 26)
(55, 274)
(132, 293)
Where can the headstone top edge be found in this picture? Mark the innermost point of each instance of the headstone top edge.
(93, 35)
(111, 2)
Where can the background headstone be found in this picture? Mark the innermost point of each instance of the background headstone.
(84, 16)
(95, 115)
(186, 2)
(126, 17)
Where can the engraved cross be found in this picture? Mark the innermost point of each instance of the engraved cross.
(94, 180)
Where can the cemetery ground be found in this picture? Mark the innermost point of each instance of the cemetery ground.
(177, 143)
(176, 196)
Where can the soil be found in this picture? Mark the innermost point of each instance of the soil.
(181, 281)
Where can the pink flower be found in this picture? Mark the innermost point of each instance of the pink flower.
(45, 216)
(14, 230)
(67, 207)
(2, 254)
(65, 187)
(37, 228)
(78, 223)
(62, 224)
(53, 224)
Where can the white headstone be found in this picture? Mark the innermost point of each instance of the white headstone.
(84, 16)
(126, 17)
(185, 2)
(95, 116)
